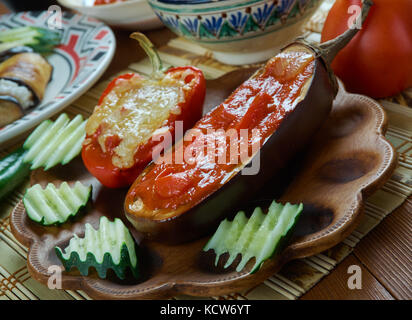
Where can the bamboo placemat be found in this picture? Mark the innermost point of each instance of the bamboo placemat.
(295, 278)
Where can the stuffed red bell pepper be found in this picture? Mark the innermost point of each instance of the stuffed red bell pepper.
(121, 132)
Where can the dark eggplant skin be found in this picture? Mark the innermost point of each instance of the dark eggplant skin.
(4, 55)
(294, 132)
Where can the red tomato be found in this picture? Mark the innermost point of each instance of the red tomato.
(378, 61)
(100, 2)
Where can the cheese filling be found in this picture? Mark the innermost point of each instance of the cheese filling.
(132, 112)
(23, 95)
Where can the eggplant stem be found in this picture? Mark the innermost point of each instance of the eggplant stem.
(150, 50)
(329, 49)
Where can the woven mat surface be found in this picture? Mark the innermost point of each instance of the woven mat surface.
(295, 278)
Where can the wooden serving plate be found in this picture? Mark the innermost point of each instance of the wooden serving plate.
(347, 160)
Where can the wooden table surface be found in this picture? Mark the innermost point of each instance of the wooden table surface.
(384, 255)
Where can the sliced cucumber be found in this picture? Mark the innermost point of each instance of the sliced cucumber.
(109, 247)
(52, 206)
(39, 39)
(261, 236)
(13, 171)
(37, 133)
(55, 142)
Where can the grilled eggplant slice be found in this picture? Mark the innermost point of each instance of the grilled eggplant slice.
(287, 100)
(23, 81)
(7, 54)
(29, 69)
(10, 110)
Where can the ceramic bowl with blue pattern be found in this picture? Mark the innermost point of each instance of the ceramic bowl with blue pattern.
(237, 31)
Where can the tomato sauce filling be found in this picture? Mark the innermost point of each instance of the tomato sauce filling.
(259, 105)
(103, 2)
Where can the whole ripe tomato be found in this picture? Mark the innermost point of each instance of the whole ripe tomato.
(378, 61)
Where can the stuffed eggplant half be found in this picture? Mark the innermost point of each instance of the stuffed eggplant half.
(23, 81)
(280, 108)
(286, 102)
